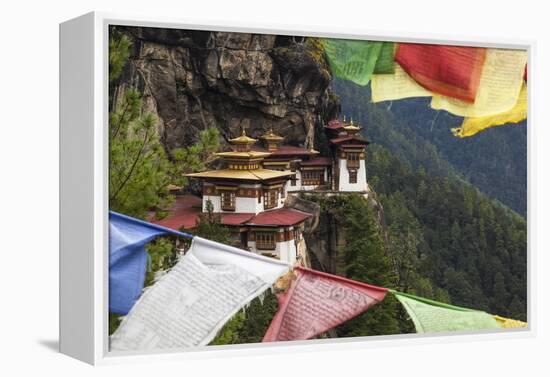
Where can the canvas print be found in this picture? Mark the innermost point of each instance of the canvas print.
(274, 188)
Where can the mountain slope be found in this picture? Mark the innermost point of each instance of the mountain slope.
(495, 161)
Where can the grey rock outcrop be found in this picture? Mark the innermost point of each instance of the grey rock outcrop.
(193, 80)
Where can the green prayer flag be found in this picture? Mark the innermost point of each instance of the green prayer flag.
(386, 61)
(431, 316)
(352, 60)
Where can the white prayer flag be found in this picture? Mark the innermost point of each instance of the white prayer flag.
(191, 303)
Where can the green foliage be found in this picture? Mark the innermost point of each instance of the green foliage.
(366, 259)
(209, 226)
(249, 325)
(139, 169)
(163, 255)
(449, 242)
(119, 51)
(229, 334)
(114, 322)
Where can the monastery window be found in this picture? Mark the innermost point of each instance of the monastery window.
(227, 200)
(312, 177)
(265, 240)
(352, 159)
(353, 176)
(270, 198)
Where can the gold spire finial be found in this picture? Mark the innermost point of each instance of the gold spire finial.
(351, 120)
(344, 118)
(243, 132)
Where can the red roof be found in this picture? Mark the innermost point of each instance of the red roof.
(318, 161)
(279, 217)
(235, 218)
(342, 139)
(184, 213)
(335, 124)
(187, 208)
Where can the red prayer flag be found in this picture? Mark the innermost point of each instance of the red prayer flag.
(452, 71)
(316, 302)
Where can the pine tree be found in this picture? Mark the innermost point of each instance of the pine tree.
(365, 259)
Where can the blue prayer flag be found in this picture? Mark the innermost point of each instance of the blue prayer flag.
(128, 258)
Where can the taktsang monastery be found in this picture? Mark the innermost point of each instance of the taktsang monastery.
(250, 192)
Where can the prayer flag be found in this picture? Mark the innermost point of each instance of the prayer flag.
(431, 316)
(396, 86)
(353, 60)
(507, 323)
(499, 88)
(452, 71)
(386, 60)
(128, 258)
(471, 126)
(317, 302)
(188, 305)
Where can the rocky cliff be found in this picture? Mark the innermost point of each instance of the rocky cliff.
(193, 80)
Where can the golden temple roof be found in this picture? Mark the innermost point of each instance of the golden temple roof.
(351, 127)
(271, 136)
(244, 155)
(243, 139)
(251, 175)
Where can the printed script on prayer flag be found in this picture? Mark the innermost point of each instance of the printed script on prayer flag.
(317, 302)
(352, 59)
(471, 126)
(499, 88)
(186, 307)
(190, 304)
(452, 71)
(395, 86)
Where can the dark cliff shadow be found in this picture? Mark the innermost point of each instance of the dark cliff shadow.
(52, 345)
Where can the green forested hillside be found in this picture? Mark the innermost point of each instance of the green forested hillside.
(448, 240)
(495, 161)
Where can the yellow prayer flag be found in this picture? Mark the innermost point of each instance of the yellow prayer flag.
(471, 126)
(398, 85)
(499, 87)
(507, 323)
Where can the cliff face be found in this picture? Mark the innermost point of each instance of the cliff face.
(193, 80)
(325, 236)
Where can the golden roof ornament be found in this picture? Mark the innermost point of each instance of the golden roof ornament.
(271, 136)
(243, 139)
(352, 127)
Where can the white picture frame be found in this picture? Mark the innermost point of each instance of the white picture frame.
(83, 190)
